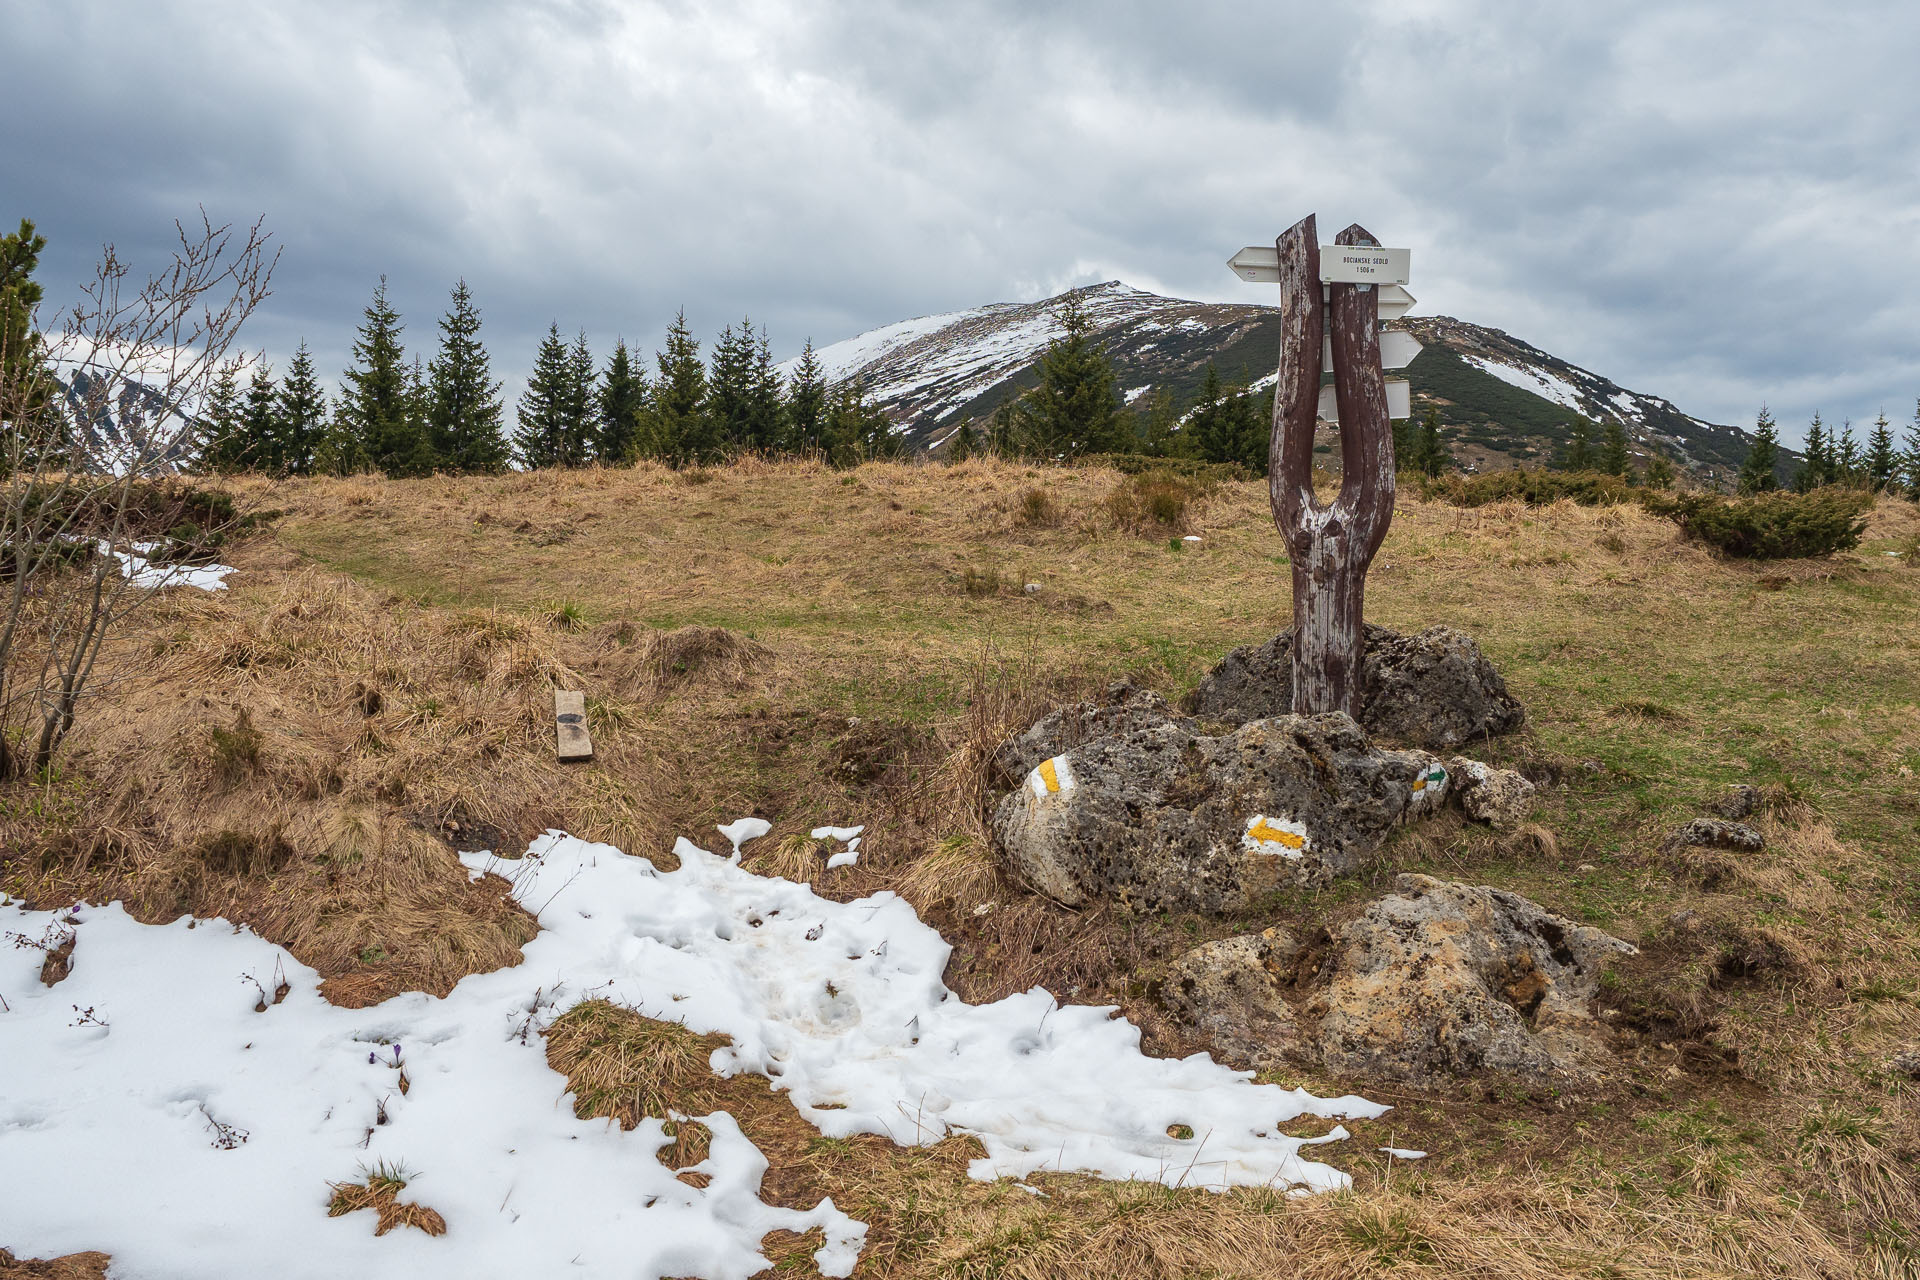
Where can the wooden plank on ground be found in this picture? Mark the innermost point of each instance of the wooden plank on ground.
(570, 726)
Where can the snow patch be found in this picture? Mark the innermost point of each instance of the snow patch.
(840, 1005)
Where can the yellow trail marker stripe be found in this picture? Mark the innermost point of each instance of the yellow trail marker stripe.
(1049, 775)
(1262, 832)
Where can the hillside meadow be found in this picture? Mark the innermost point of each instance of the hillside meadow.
(304, 752)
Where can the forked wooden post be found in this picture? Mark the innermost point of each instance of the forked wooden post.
(1330, 545)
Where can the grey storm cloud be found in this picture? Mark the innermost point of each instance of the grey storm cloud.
(1715, 202)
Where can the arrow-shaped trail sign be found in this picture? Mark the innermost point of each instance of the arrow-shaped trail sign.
(1259, 263)
(1399, 401)
(1397, 350)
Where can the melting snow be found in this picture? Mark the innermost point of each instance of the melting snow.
(143, 573)
(207, 1131)
(1545, 385)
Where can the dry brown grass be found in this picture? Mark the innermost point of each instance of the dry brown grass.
(73, 1266)
(382, 673)
(381, 1193)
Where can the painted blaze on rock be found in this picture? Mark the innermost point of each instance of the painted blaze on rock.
(1163, 814)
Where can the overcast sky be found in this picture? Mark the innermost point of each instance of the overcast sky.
(1714, 202)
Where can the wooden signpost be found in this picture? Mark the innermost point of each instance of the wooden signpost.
(1331, 305)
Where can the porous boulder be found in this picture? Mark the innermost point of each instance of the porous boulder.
(1228, 993)
(1441, 979)
(1434, 689)
(1498, 797)
(1159, 814)
(1715, 833)
(1125, 708)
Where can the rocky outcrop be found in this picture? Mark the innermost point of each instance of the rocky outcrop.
(1160, 814)
(1740, 801)
(1714, 833)
(1228, 993)
(1498, 797)
(1433, 981)
(1440, 978)
(1434, 690)
(1125, 708)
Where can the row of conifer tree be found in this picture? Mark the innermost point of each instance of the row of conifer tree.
(445, 413)
(1836, 457)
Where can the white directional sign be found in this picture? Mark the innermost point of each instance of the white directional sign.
(1399, 401)
(1364, 264)
(1397, 350)
(1261, 264)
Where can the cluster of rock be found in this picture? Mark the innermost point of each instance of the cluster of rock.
(1123, 798)
(1434, 979)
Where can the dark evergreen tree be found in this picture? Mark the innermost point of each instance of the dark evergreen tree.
(766, 414)
(1406, 439)
(1614, 458)
(1845, 453)
(378, 403)
(1882, 465)
(680, 429)
(622, 405)
(965, 443)
(1160, 434)
(221, 440)
(26, 390)
(1659, 470)
(1910, 456)
(730, 384)
(855, 431)
(464, 409)
(341, 451)
(1579, 455)
(1208, 424)
(258, 424)
(1757, 473)
(300, 415)
(1818, 468)
(540, 439)
(1430, 454)
(582, 405)
(1005, 431)
(806, 403)
(1076, 407)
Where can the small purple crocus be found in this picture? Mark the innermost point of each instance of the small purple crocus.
(396, 1053)
(372, 1057)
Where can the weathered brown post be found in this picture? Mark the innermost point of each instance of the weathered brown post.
(1330, 545)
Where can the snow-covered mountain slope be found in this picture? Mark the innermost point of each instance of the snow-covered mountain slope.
(1504, 401)
(124, 423)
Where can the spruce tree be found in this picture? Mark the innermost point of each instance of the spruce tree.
(1579, 455)
(1763, 457)
(222, 446)
(729, 386)
(260, 450)
(341, 451)
(766, 414)
(1883, 460)
(1817, 469)
(1846, 456)
(301, 414)
(540, 439)
(965, 443)
(1659, 470)
(1430, 454)
(1160, 436)
(26, 390)
(1076, 407)
(1248, 430)
(806, 403)
(1613, 448)
(464, 408)
(1207, 422)
(377, 403)
(582, 416)
(681, 430)
(1910, 456)
(622, 404)
(855, 431)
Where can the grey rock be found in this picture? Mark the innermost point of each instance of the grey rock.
(1435, 689)
(1159, 814)
(1713, 833)
(1498, 797)
(1906, 1063)
(1442, 979)
(1124, 709)
(1741, 801)
(1228, 993)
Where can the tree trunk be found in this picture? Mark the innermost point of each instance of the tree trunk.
(1331, 545)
